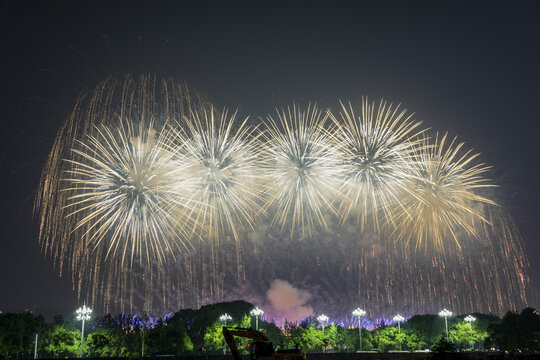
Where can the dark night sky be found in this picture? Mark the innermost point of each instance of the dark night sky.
(470, 68)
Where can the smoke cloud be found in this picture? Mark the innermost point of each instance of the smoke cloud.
(288, 302)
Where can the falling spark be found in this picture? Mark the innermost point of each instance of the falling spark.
(149, 193)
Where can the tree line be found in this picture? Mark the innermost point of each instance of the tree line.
(190, 332)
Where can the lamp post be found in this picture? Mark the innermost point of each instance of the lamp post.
(224, 318)
(470, 319)
(359, 313)
(142, 329)
(323, 319)
(83, 314)
(36, 336)
(398, 318)
(256, 312)
(445, 313)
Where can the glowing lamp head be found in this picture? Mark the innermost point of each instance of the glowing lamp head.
(322, 318)
(358, 312)
(445, 313)
(83, 313)
(398, 318)
(225, 317)
(469, 318)
(257, 312)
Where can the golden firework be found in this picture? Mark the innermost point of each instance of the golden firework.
(123, 194)
(147, 184)
(374, 147)
(301, 168)
(221, 157)
(109, 204)
(441, 197)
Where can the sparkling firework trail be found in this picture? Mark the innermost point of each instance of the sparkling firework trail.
(441, 203)
(150, 193)
(301, 169)
(374, 147)
(111, 148)
(123, 194)
(221, 170)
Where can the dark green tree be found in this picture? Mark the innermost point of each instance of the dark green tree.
(215, 342)
(293, 336)
(517, 332)
(123, 333)
(97, 343)
(443, 346)
(428, 328)
(64, 342)
(460, 335)
(17, 334)
(385, 337)
(168, 337)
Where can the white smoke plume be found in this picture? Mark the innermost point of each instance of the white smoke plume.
(287, 302)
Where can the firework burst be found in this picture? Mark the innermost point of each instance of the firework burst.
(109, 201)
(123, 194)
(301, 168)
(442, 197)
(221, 167)
(374, 147)
(147, 184)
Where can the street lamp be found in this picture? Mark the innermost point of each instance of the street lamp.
(398, 318)
(256, 312)
(83, 314)
(445, 313)
(359, 313)
(142, 329)
(470, 319)
(323, 319)
(224, 318)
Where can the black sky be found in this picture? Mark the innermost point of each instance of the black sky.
(469, 68)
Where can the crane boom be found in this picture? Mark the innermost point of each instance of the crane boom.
(230, 333)
(261, 349)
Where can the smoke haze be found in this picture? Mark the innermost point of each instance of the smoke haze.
(288, 302)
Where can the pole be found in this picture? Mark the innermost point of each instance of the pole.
(142, 338)
(446, 325)
(224, 351)
(324, 345)
(82, 338)
(257, 323)
(399, 333)
(360, 331)
(142, 341)
(35, 346)
(472, 343)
